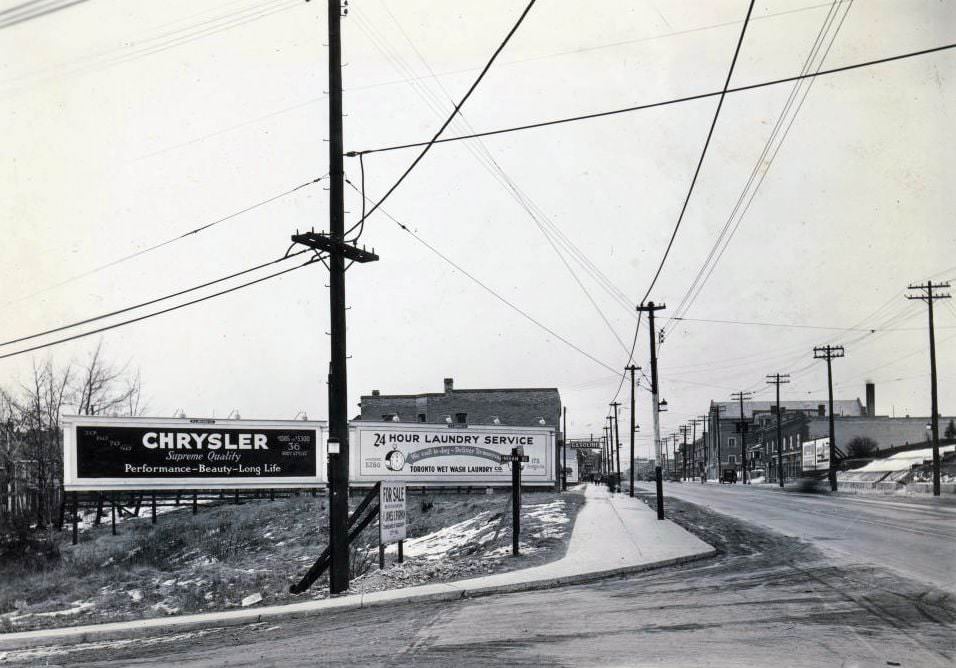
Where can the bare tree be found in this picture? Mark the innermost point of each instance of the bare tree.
(101, 389)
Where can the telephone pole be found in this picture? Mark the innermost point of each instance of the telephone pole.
(651, 308)
(742, 428)
(703, 446)
(829, 353)
(631, 368)
(338, 250)
(717, 411)
(617, 446)
(779, 379)
(683, 431)
(604, 458)
(564, 450)
(929, 297)
(693, 443)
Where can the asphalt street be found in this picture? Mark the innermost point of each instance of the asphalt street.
(915, 537)
(765, 599)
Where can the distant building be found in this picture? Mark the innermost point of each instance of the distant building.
(801, 421)
(510, 406)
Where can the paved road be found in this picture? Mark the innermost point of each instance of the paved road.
(916, 538)
(765, 600)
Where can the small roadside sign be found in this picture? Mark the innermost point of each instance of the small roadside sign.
(509, 459)
(391, 515)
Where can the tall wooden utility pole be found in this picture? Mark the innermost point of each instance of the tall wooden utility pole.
(683, 432)
(742, 428)
(564, 449)
(617, 446)
(604, 457)
(693, 443)
(338, 250)
(631, 368)
(703, 446)
(651, 308)
(929, 297)
(828, 353)
(779, 379)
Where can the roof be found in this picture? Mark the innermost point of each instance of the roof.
(456, 391)
(851, 407)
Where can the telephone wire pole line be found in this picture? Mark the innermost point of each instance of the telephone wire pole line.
(829, 353)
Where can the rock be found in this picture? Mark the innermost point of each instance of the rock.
(251, 599)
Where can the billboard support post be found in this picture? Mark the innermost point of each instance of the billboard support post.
(76, 519)
(515, 501)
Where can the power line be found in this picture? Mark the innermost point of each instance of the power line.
(703, 153)
(664, 103)
(762, 164)
(491, 291)
(25, 13)
(153, 315)
(171, 240)
(152, 301)
(451, 117)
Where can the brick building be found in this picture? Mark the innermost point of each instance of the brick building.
(514, 406)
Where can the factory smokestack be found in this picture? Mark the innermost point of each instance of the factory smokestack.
(871, 400)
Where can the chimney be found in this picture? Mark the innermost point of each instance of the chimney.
(870, 400)
(449, 385)
(375, 393)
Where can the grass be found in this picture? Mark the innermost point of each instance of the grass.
(211, 561)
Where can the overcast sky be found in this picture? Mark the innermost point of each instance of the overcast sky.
(127, 123)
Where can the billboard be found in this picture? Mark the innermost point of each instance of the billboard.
(432, 454)
(102, 453)
(816, 455)
(572, 468)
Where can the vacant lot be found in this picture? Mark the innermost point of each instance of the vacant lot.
(213, 560)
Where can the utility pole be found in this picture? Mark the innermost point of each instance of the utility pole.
(929, 297)
(703, 446)
(338, 250)
(604, 456)
(779, 379)
(617, 446)
(693, 442)
(742, 428)
(828, 353)
(651, 308)
(632, 369)
(564, 450)
(683, 431)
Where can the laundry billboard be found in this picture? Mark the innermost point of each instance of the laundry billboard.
(102, 453)
(438, 455)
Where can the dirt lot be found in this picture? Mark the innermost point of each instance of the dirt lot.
(226, 553)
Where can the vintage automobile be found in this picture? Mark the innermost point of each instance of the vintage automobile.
(729, 476)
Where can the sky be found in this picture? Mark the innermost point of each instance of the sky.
(128, 124)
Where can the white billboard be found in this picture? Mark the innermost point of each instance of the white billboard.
(107, 453)
(816, 455)
(432, 454)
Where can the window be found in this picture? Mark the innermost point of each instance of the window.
(461, 418)
(732, 442)
(732, 459)
(421, 417)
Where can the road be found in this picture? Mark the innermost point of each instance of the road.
(766, 599)
(916, 538)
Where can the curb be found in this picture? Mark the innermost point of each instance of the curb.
(186, 623)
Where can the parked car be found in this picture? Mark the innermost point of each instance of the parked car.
(729, 476)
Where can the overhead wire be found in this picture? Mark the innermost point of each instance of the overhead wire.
(451, 117)
(179, 237)
(158, 313)
(481, 153)
(669, 102)
(491, 290)
(28, 11)
(763, 163)
(151, 301)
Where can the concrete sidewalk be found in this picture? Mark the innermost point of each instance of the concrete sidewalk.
(613, 535)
